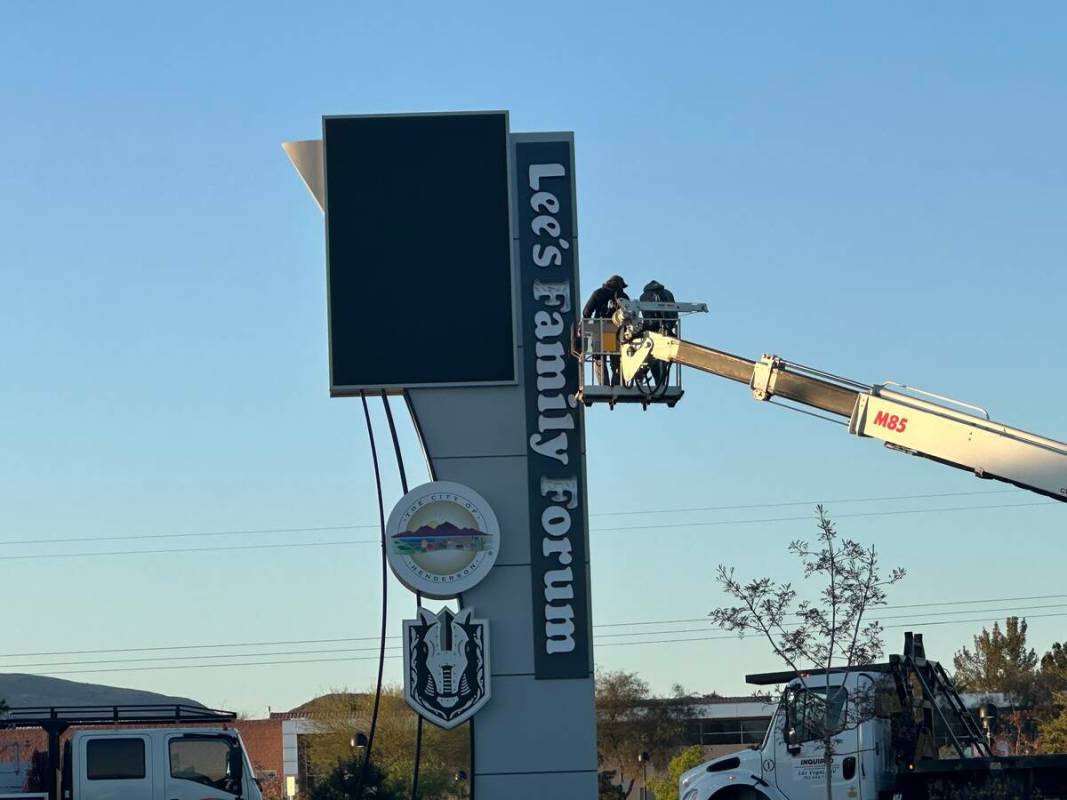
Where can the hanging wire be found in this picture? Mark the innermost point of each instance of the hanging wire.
(421, 437)
(385, 601)
(418, 595)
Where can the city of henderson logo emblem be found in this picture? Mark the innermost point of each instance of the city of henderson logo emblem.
(441, 539)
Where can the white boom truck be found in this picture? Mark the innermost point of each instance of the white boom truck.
(915, 741)
(641, 342)
(125, 753)
(895, 754)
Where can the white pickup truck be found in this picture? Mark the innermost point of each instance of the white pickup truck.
(123, 762)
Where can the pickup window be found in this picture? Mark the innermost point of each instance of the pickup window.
(114, 759)
(202, 759)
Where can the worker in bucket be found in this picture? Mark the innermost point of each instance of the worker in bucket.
(602, 304)
(661, 322)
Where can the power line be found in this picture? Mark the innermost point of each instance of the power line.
(973, 602)
(880, 608)
(350, 639)
(1011, 611)
(128, 537)
(717, 523)
(960, 621)
(216, 666)
(186, 550)
(1008, 611)
(804, 503)
(190, 647)
(375, 658)
(360, 526)
(349, 542)
(597, 640)
(914, 624)
(195, 658)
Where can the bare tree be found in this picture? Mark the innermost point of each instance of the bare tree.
(829, 633)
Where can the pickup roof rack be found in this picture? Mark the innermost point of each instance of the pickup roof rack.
(63, 717)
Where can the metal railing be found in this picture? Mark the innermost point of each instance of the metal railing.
(596, 346)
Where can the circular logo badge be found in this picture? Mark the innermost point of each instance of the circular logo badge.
(441, 539)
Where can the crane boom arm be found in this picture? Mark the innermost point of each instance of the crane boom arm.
(929, 426)
(809, 390)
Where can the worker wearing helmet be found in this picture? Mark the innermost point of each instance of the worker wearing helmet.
(602, 304)
(660, 322)
(603, 301)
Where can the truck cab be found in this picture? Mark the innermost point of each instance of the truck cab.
(136, 752)
(790, 763)
(158, 764)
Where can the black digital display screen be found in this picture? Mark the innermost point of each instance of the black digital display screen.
(418, 250)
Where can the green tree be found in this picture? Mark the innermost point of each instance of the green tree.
(607, 789)
(1053, 671)
(1052, 734)
(829, 633)
(630, 720)
(341, 715)
(342, 783)
(1000, 662)
(665, 787)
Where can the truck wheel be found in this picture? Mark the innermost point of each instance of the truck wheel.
(739, 793)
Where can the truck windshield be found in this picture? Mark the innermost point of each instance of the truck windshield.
(815, 712)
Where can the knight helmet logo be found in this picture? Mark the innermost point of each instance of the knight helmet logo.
(446, 665)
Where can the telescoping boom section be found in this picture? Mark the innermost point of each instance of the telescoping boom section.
(907, 419)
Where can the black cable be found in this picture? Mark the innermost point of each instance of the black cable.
(421, 436)
(396, 443)
(418, 595)
(385, 602)
(470, 732)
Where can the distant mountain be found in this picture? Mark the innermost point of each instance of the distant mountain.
(40, 690)
(445, 529)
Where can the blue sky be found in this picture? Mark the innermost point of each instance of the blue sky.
(880, 192)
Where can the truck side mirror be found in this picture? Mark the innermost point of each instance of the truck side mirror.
(792, 745)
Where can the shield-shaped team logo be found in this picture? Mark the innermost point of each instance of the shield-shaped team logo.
(446, 665)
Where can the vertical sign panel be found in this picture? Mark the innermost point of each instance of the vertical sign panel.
(418, 251)
(547, 249)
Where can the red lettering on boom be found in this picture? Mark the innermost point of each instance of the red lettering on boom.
(893, 422)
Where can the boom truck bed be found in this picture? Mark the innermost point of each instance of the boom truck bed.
(917, 741)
